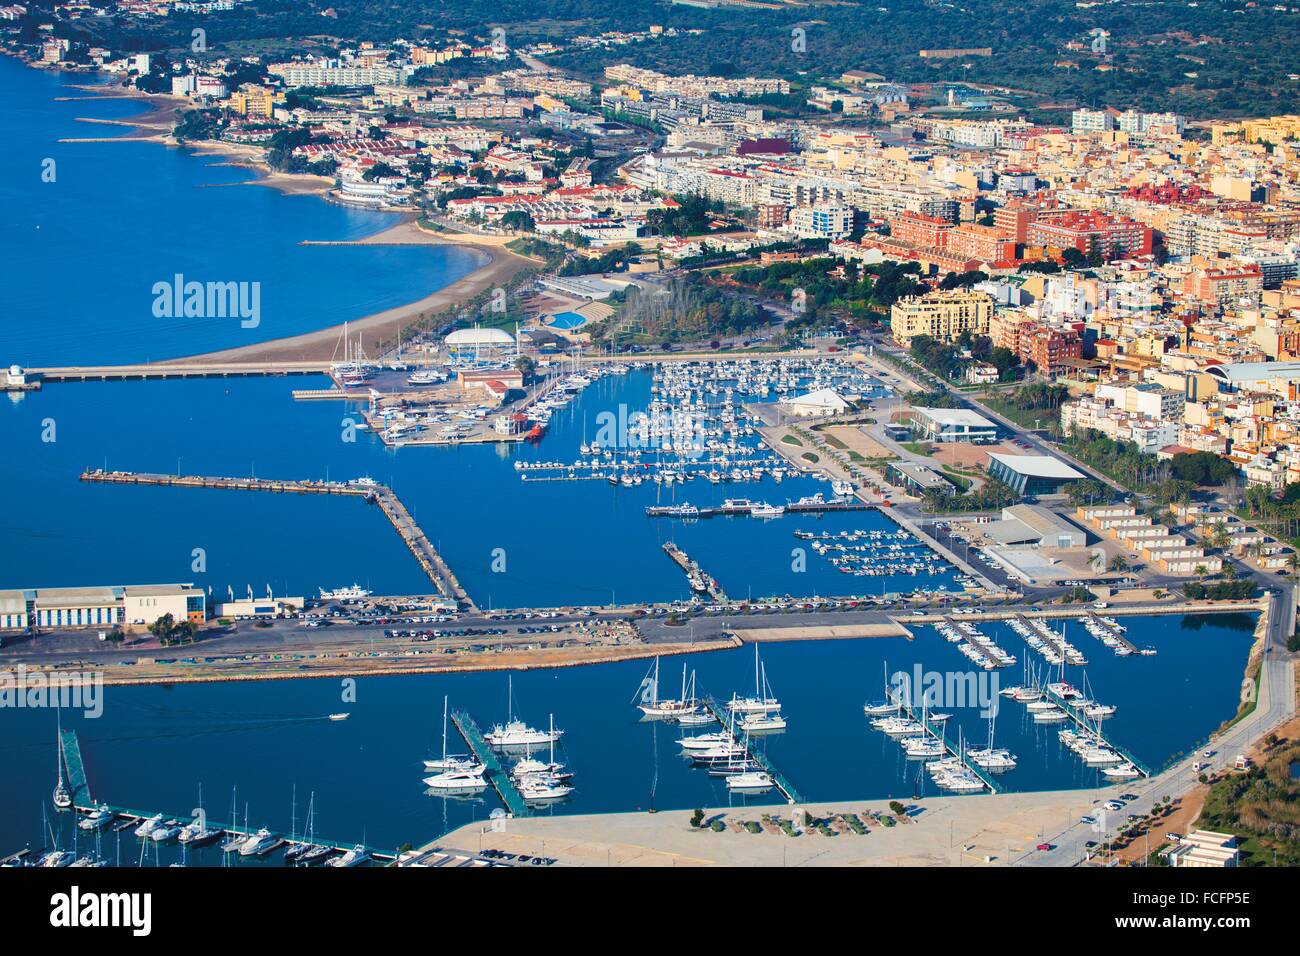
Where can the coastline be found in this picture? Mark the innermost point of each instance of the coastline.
(498, 264)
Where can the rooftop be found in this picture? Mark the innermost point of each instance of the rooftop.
(1037, 466)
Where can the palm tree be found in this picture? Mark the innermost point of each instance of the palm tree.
(1118, 563)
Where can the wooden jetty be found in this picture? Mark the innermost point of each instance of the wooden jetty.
(496, 774)
(938, 734)
(411, 533)
(82, 804)
(1114, 633)
(1071, 654)
(701, 580)
(1086, 724)
(782, 783)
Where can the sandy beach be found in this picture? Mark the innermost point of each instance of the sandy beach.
(497, 267)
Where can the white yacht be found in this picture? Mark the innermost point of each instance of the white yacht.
(751, 780)
(98, 818)
(467, 780)
(259, 843)
(148, 826)
(354, 857)
(993, 759)
(765, 510)
(343, 594)
(706, 741)
(167, 831)
(1123, 771)
(515, 733)
(540, 789)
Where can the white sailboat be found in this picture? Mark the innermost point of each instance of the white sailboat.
(750, 781)
(762, 701)
(449, 762)
(652, 706)
(459, 775)
(889, 705)
(543, 787)
(62, 798)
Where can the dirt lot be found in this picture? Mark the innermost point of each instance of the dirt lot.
(856, 439)
(971, 457)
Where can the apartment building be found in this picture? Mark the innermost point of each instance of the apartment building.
(943, 315)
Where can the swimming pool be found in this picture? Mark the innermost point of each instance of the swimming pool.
(567, 320)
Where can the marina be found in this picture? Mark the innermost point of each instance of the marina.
(225, 734)
(159, 828)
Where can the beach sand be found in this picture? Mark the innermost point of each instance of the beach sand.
(498, 267)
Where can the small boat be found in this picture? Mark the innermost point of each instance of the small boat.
(167, 831)
(345, 593)
(263, 841)
(458, 781)
(62, 798)
(762, 723)
(342, 716)
(98, 818)
(1123, 771)
(356, 856)
(315, 854)
(148, 826)
(752, 781)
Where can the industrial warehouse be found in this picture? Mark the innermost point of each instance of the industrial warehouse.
(132, 605)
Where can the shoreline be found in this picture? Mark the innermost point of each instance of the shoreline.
(497, 267)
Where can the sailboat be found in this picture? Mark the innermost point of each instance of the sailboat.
(197, 832)
(62, 798)
(762, 702)
(889, 705)
(995, 760)
(449, 762)
(543, 787)
(459, 775)
(652, 706)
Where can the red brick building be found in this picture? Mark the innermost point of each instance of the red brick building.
(1048, 348)
(1092, 234)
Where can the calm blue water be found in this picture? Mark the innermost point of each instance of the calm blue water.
(564, 541)
(81, 254)
(153, 747)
